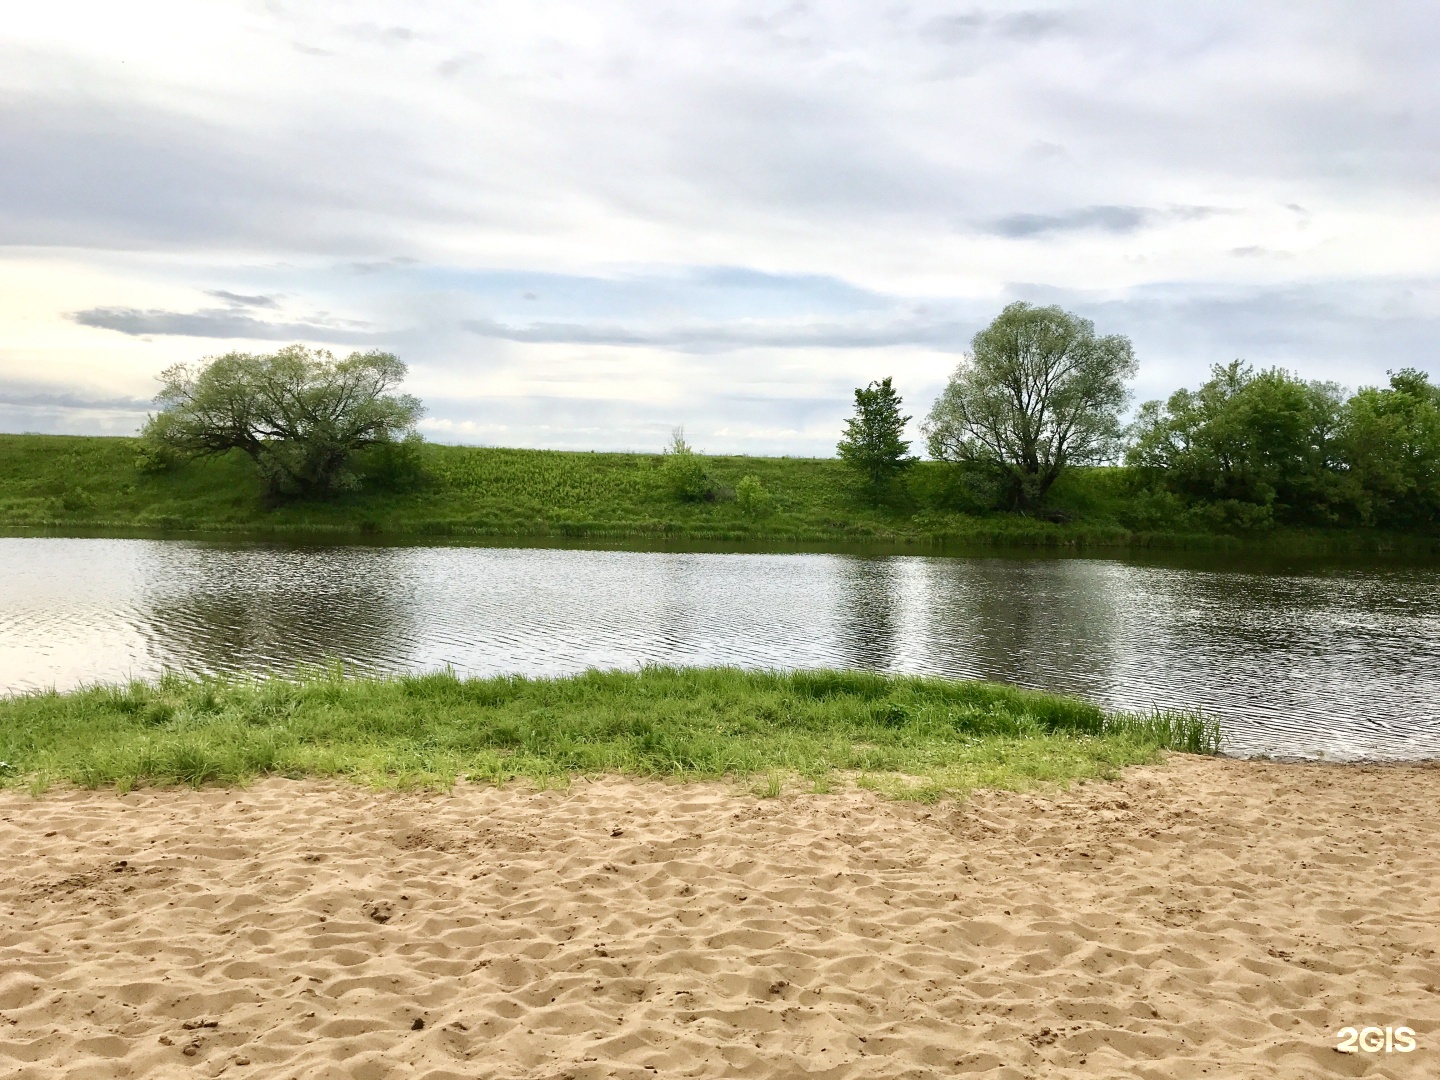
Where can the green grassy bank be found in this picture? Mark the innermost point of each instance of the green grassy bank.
(76, 484)
(911, 737)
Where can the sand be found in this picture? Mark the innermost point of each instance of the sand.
(1201, 918)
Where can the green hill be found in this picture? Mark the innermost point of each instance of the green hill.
(79, 484)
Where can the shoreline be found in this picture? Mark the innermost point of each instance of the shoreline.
(1253, 555)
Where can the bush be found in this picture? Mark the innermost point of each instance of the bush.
(1154, 509)
(153, 454)
(684, 470)
(393, 466)
(77, 501)
(954, 486)
(752, 498)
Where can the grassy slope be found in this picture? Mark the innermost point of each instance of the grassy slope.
(914, 737)
(67, 483)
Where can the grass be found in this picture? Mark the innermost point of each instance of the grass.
(919, 738)
(78, 482)
(69, 484)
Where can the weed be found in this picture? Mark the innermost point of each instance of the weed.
(773, 784)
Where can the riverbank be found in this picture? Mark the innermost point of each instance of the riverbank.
(1200, 918)
(73, 485)
(919, 738)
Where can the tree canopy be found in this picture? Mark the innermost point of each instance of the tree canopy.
(1250, 448)
(1390, 439)
(300, 414)
(1264, 439)
(1038, 391)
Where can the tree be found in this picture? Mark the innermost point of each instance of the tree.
(872, 444)
(1245, 440)
(301, 415)
(1391, 444)
(1037, 392)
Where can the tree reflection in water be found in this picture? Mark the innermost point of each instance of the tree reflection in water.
(1033, 622)
(266, 609)
(868, 618)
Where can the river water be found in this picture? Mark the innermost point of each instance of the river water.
(1340, 662)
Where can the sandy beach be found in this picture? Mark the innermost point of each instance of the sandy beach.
(1201, 918)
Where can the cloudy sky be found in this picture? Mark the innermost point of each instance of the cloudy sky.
(583, 224)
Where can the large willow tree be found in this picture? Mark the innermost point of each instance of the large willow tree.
(300, 414)
(1038, 391)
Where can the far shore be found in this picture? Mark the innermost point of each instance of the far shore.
(89, 485)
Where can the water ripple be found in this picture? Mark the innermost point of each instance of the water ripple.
(1343, 665)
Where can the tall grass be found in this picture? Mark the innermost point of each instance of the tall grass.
(1187, 730)
(923, 737)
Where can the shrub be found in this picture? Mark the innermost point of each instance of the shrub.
(957, 486)
(752, 498)
(77, 500)
(154, 455)
(393, 465)
(684, 470)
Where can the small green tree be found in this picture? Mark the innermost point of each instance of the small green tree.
(1039, 391)
(873, 445)
(300, 414)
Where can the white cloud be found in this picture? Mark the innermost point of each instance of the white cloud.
(229, 323)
